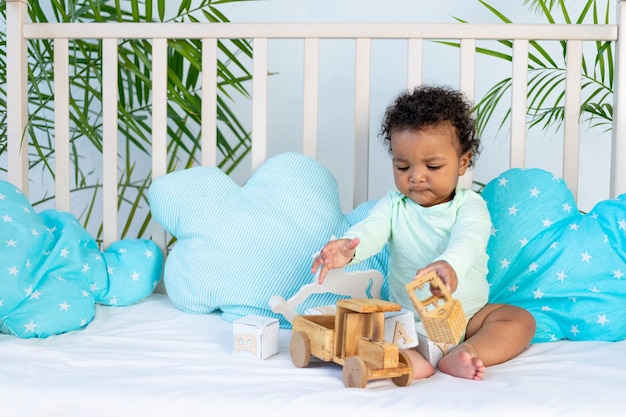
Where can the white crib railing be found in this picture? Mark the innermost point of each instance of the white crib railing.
(19, 31)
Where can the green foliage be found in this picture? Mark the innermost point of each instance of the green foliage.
(134, 108)
(546, 70)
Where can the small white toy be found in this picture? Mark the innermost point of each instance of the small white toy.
(256, 336)
(356, 284)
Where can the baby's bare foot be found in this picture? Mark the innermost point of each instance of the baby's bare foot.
(463, 363)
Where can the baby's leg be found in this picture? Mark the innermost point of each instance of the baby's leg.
(421, 367)
(495, 334)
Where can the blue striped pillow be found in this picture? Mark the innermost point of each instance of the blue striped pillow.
(237, 246)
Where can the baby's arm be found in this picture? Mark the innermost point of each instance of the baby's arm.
(335, 254)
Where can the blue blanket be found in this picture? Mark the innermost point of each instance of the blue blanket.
(567, 268)
(52, 272)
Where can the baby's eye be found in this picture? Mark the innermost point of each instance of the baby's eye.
(433, 167)
(401, 168)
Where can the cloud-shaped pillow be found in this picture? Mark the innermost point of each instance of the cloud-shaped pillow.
(52, 272)
(567, 268)
(239, 246)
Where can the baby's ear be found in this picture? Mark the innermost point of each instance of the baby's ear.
(464, 162)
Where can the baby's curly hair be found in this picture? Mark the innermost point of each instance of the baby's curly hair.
(430, 105)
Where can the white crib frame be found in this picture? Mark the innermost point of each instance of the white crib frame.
(19, 31)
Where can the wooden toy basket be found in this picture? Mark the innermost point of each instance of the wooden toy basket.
(442, 316)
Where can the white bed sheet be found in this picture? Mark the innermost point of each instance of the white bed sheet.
(151, 359)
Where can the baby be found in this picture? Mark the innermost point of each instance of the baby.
(432, 224)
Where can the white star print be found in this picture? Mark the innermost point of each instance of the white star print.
(574, 330)
(554, 245)
(618, 274)
(65, 306)
(523, 242)
(34, 232)
(85, 268)
(533, 267)
(546, 308)
(122, 250)
(148, 253)
(622, 224)
(12, 243)
(135, 276)
(7, 218)
(560, 276)
(602, 320)
(30, 327)
(35, 295)
(546, 222)
(13, 270)
(513, 211)
(113, 301)
(64, 252)
(585, 257)
(534, 192)
(594, 289)
(538, 293)
(513, 288)
(502, 182)
(493, 231)
(566, 207)
(2, 196)
(574, 226)
(505, 263)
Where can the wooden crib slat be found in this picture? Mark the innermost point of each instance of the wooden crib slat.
(209, 102)
(311, 97)
(467, 84)
(17, 96)
(415, 52)
(61, 125)
(361, 121)
(618, 149)
(259, 102)
(159, 122)
(109, 141)
(571, 128)
(519, 104)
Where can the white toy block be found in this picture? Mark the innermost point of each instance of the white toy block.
(431, 351)
(400, 329)
(256, 336)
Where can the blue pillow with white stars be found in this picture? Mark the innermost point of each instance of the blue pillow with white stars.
(565, 267)
(238, 246)
(52, 272)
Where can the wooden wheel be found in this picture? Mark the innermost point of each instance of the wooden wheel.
(355, 372)
(300, 349)
(406, 379)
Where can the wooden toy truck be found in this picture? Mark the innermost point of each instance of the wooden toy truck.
(353, 338)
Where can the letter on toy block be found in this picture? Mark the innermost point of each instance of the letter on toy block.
(255, 336)
(400, 329)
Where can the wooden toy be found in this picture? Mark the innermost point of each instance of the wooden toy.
(255, 336)
(442, 316)
(353, 338)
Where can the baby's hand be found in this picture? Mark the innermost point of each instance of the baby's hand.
(445, 272)
(335, 254)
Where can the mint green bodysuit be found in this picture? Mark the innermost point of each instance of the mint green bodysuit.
(456, 232)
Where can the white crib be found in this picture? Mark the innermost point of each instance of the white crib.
(153, 359)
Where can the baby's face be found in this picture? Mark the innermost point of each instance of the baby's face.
(427, 163)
